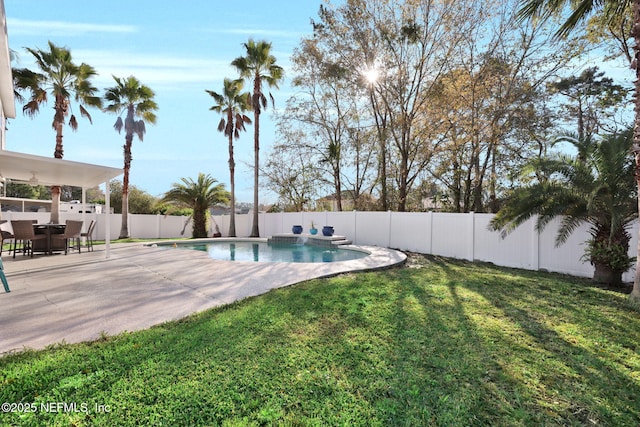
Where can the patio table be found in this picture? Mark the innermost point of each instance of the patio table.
(48, 245)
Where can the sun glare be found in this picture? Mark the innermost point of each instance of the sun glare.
(371, 75)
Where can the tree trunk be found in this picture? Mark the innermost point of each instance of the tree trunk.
(55, 190)
(603, 274)
(124, 227)
(255, 230)
(199, 223)
(232, 168)
(404, 179)
(382, 161)
(635, 32)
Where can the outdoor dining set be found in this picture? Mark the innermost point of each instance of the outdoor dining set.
(27, 236)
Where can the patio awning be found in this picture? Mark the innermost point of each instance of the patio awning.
(50, 171)
(40, 170)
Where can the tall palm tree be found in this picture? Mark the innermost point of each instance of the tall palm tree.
(258, 66)
(598, 190)
(198, 195)
(611, 9)
(59, 77)
(137, 100)
(232, 103)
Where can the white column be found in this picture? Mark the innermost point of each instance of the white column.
(84, 202)
(107, 227)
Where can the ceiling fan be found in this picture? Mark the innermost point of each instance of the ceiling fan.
(33, 181)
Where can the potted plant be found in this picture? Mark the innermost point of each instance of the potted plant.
(313, 230)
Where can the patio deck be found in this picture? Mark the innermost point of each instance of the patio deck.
(78, 297)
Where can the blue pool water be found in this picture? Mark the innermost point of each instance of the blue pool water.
(263, 252)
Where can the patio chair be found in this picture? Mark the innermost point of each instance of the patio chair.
(23, 232)
(7, 236)
(89, 235)
(72, 232)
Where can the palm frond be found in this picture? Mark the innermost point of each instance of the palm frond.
(73, 122)
(31, 108)
(567, 226)
(118, 125)
(85, 113)
(140, 129)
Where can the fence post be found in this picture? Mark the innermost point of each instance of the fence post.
(535, 245)
(430, 231)
(390, 217)
(472, 235)
(281, 222)
(355, 227)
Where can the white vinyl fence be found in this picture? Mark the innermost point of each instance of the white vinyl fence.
(140, 226)
(463, 236)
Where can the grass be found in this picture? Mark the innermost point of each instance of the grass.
(437, 342)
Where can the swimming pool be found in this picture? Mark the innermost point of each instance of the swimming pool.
(264, 252)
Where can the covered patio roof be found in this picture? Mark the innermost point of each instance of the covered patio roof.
(51, 171)
(40, 170)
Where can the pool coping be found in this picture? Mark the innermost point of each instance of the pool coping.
(82, 297)
(349, 247)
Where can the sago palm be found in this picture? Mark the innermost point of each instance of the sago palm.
(258, 66)
(198, 195)
(59, 77)
(136, 99)
(610, 10)
(232, 103)
(599, 191)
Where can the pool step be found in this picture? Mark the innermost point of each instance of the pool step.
(308, 239)
(341, 242)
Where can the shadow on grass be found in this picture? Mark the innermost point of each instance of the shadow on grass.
(569, 351)
(449, 343)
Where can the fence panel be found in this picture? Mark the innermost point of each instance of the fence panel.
(372, 228)
(410, 231)
(519, 249)
(451, 234)
(564, 258)
(342, 223)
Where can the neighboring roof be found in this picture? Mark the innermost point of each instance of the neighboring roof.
(6, 78)
(51, 171)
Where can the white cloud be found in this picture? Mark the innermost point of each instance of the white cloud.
(36, 28)
(256, 32)
(152, 69)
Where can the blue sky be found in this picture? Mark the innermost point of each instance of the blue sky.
(178, 51)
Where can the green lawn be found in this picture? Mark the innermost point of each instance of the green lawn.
(436, 342)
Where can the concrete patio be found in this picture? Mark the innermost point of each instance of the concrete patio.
(79, 297)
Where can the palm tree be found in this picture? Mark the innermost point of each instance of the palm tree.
(137, 100)
(198, 195)
(599, 190)
(65, 81)
(611, 10)
(258, 66)
(232, 103)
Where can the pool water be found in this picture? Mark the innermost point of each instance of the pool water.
(263, 252)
